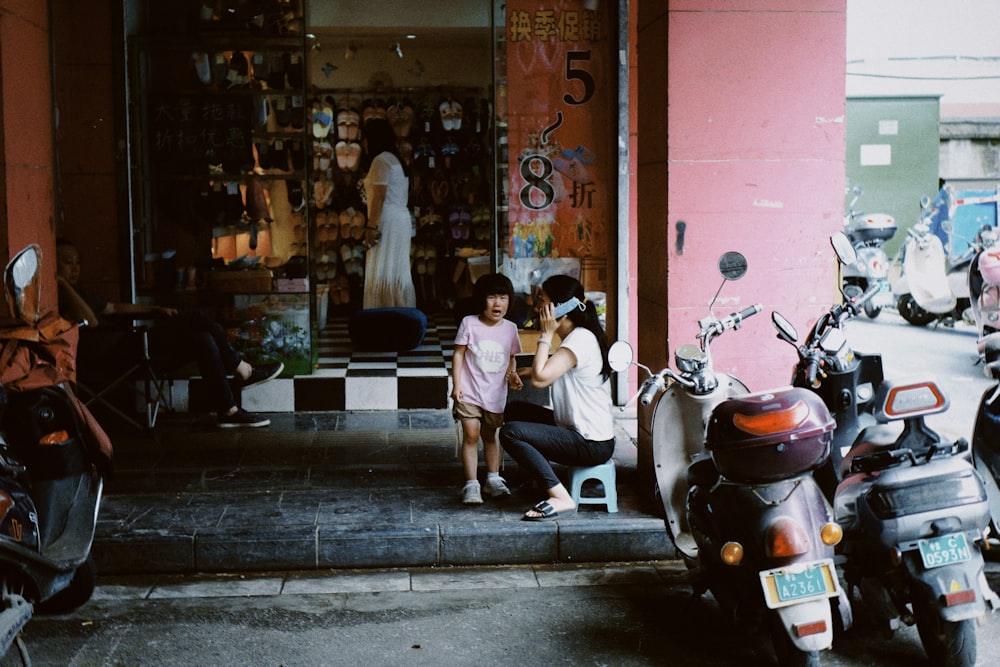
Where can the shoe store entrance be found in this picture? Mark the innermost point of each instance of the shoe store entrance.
(249, 130)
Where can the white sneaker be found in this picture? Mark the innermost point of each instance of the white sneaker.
(496, 487)
(471, 494)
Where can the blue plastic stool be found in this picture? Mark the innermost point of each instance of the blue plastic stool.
(605, 473)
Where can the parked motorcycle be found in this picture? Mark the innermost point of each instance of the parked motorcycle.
(986, 432)
(844, 378)
(933, 285)
(910, 505)
(915, 518)
(868, 233)
(733, 473)
(984, 286)
(53, 459)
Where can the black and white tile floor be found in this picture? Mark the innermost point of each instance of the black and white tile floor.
(345, 379)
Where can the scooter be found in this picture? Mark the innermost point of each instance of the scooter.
(868, 233)
(844, 378)
(986, 432)
(53, 459)
(933, 285)
(915, 517)
(733, 474)
(984, 287)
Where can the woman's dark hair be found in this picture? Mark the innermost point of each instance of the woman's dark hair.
(382, 139)
(563, 288)
(491, 283)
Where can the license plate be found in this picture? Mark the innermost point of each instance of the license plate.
(944, 550)
(798, 583)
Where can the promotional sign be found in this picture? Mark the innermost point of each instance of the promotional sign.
(560, 152)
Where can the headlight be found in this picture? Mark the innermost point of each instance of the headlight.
(888, 502)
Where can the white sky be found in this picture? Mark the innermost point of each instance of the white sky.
(925, 47)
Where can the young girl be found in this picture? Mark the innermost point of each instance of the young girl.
(482, 369)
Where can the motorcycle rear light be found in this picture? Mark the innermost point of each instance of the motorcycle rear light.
(934, 493)
(786, 537)
(806, 629)
(772, 422)
(53, 438)
(731, 553)
(831, 534)
(960, 597)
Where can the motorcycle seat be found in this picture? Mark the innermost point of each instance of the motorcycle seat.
(871, 440)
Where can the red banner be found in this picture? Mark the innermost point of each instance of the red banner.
(561, 128)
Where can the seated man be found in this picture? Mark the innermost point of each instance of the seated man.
(178, 337)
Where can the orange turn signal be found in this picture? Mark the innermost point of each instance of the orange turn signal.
(831, 534)
(731, 553)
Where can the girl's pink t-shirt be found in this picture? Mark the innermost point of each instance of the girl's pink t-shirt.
(487, 356)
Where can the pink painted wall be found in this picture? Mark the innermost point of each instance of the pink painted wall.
(755, 163)
(27, 200)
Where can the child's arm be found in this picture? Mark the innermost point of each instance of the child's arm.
(513, 379)
(457, 362)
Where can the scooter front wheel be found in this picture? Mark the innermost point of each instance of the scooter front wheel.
(872, 311)
(913, 313)
(80, 588)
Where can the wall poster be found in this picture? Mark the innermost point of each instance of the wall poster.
(561, 157)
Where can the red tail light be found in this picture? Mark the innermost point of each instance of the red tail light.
(806, 629)
(772, 422)
(786, 537)
(961, 597)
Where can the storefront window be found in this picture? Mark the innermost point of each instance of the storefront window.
(247, 122)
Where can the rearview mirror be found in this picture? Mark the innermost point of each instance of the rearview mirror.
(733, 265)
(844, 248)
(22, 285)
(786, 330)
(620, 356)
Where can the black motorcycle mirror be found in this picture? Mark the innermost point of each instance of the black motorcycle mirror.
(786, 331)
(22, 285)
(733, 266)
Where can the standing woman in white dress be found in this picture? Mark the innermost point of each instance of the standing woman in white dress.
(388, 282)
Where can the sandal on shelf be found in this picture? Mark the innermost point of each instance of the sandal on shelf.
(345, 223)
(358, 225)
(353, 156)
(343, 155)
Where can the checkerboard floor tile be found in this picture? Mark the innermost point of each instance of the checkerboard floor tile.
(346, 379)
(432, 358)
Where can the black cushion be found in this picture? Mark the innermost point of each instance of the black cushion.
(387, 329)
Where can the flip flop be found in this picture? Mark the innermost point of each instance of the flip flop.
(548, 513)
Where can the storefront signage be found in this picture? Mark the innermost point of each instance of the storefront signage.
(200, 130)
(561, 153)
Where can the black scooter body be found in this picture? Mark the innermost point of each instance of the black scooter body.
(54, 489)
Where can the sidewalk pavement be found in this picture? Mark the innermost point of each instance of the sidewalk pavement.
(320, 490)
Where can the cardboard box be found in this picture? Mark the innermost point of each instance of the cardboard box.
(239, 282)
(529, 340)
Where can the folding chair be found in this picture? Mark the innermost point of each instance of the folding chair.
(139, 379)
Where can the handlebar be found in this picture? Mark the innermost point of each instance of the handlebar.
(812, 370)
(654, 386)
(711, 327)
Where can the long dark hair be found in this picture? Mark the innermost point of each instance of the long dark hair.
(563, 288)
(381, 138)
